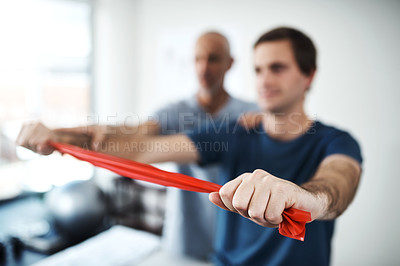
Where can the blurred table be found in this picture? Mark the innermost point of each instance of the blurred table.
(18, 216)
(27, 212)
(161, 257)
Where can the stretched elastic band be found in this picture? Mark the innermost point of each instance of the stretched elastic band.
(294, 220)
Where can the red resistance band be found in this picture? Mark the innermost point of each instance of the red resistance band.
(294, 220)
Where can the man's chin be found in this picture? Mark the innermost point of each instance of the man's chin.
(209, 89)
(272, 109)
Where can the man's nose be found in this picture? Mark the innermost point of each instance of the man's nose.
(204, 66)
(266, 79)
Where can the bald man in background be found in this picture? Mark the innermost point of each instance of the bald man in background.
(189, 223)
(190, 217)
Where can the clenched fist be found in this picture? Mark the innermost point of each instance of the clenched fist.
(262, 198)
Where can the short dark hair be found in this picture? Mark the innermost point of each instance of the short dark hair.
(304, 50)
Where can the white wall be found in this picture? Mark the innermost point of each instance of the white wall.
(115, 59)
(356, 86)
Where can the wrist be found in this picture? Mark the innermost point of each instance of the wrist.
(322, 205)
(81, 140)
(316, 202)
(56, 136)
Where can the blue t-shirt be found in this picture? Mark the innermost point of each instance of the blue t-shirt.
(187, 231)
(240, 241)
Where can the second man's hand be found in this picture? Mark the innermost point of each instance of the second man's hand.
(37, 137)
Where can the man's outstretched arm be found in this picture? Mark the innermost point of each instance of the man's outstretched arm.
(176, 148)
(142, 146)
(335, 183)
(262, 197)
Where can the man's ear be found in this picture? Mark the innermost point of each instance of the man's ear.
(310, 78)
(230, 63)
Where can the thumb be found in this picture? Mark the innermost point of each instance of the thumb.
(44, 148)
(215, 198)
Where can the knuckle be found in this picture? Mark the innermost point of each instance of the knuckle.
(256, 214)
(31, 142)
(238, 206)
(260, 175)
(272, 218)
(259, 172)
(281, 187)
(37, 125)
(224, 192)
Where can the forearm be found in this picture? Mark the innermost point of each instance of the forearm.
(149, 128)
(103, 137)
(120, 141)
(80, 140)
(152, 149)
(262, 197)
(334, 185)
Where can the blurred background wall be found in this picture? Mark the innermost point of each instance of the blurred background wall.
(143, 59)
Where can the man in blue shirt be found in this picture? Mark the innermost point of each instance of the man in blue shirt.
(286, 161)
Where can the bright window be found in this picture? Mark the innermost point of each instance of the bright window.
(45, 62)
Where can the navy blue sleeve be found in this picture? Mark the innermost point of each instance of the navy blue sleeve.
(344, 143)
(209, 144)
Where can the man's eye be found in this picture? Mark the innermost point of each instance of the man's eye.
(277, 68)
(213, 59)
(257, 70)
